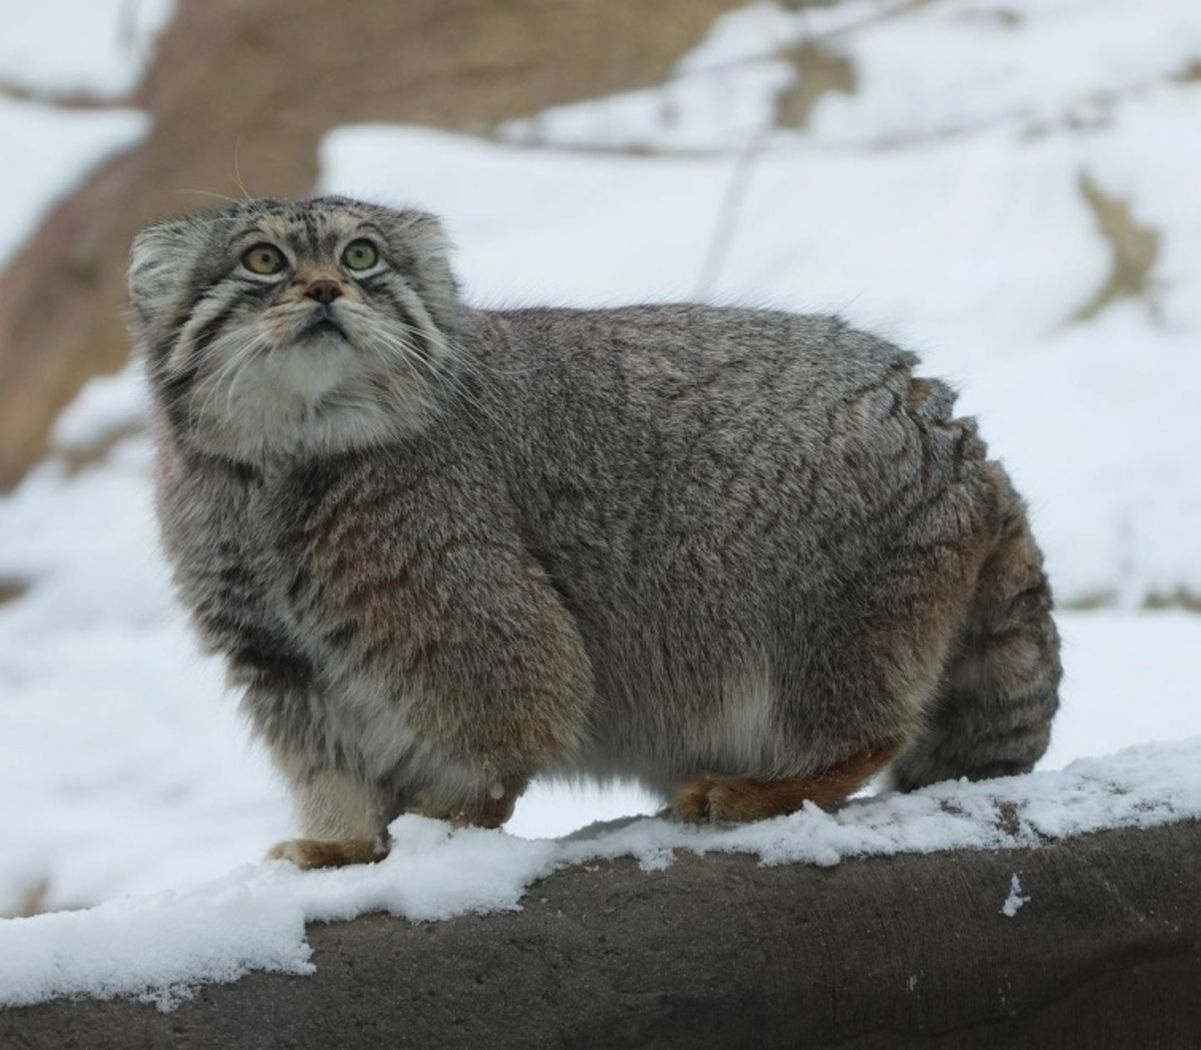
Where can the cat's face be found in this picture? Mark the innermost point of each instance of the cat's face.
(274, 326)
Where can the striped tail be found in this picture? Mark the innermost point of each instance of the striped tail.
(991, 715)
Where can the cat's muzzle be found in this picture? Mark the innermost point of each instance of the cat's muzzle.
(323, 322)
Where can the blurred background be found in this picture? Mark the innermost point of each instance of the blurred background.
(1008, 187)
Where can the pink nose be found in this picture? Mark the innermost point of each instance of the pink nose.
(324, 292)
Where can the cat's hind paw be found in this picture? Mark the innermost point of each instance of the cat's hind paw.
(321, 853)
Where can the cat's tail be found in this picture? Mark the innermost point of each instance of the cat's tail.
(992, 713)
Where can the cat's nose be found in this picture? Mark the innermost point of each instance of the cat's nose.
(325, 292)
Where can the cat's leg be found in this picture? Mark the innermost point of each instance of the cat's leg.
(343, 816)
(344, 820)
(706, 797)
(991, 715)
(850, 691)
(485, 677)
(490, 811)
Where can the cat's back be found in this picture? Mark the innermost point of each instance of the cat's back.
(708, 457)
(673, 345)
(690, 405)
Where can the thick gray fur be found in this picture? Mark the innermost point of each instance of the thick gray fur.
(455, 549)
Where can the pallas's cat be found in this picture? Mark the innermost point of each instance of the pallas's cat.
(745, 557)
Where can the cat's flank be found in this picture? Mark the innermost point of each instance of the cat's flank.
(745, 557)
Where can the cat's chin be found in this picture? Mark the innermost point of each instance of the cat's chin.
(289, 423)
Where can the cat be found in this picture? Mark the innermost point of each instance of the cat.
(745, 557)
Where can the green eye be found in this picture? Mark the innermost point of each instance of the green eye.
(264, 259)
(360, 255)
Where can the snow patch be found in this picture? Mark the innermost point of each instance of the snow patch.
(1015, 899)
(57, 148)
(106, 405)
(97, 48)
(917, 73)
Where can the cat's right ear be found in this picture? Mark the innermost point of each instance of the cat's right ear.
(158, 267)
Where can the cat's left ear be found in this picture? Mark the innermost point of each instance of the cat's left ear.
(158, 264)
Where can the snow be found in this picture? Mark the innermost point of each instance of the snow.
(922, 72)
(1015, 900)
(161, 946)
(102, 54)
(939, 204)
(106, 406)
(57, 148)
(1128, 676)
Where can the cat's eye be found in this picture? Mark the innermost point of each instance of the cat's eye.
(264, 259)
(360, 255)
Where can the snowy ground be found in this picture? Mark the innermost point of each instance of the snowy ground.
(951, 200)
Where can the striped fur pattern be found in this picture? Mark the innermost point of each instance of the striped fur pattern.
(446, 550)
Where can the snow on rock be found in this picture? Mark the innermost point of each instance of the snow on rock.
(155, 947)
(1015, 900)
(97, 48)
(160, 946)
(57, 148)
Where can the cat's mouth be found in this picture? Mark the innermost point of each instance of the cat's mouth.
(323, 323)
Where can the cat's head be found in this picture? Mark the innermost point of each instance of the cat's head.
(274, 326)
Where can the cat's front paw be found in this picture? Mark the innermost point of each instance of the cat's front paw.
(322, 853)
